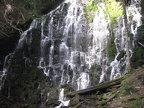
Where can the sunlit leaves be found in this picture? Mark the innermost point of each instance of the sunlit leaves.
(114, 10)
(91, 8)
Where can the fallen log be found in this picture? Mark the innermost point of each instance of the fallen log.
(101, 87)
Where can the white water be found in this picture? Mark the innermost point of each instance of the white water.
(70, 58)
(97, 51)
(67, 57)
(62, 99)
(5, 69)
(134, 21)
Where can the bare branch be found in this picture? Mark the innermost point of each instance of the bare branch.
(10, 22)
(4, 34)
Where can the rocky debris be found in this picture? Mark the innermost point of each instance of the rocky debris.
(127, 94)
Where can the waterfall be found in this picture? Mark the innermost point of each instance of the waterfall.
(62, 99)
(119, 67)
(97, 51)
(5, 69)
(73, 51)
(69, 56)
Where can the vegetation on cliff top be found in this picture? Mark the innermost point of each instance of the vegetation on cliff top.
(16, 15)
(112, 10)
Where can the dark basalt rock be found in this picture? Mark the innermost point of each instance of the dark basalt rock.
(25, 83)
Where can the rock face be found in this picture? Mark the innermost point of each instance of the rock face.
(64, 49)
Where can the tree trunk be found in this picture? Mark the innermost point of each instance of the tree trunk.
(102, 87)
(127, 36)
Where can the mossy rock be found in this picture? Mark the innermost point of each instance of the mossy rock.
(121, 55)
(53, 102)
(111, 48)
(134, 103)
(93, 96)
(95, 72)
(53, 94)
(75, 101)
(102, 103)
(68, 89)
(71, 94)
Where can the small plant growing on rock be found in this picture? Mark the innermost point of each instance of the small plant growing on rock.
(129, 89)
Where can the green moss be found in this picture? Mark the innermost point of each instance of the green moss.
(95, 72)
(138, 103)
(95, 68)
(53, 102)
(71, 94)
(128, 89)
(111, 49)
(134, 103)
(75, 101)
(102, 103)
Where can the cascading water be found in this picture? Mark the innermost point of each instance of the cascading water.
(5, 67)
(119, 67)
(97, 51)
(62, 99)
(71, 48)
(70, 56)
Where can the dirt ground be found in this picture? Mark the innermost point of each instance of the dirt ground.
(131, 92)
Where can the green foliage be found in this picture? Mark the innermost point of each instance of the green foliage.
(111, 49)
(114, 10)
(129, 89)
(90, 9)
(102, 103)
